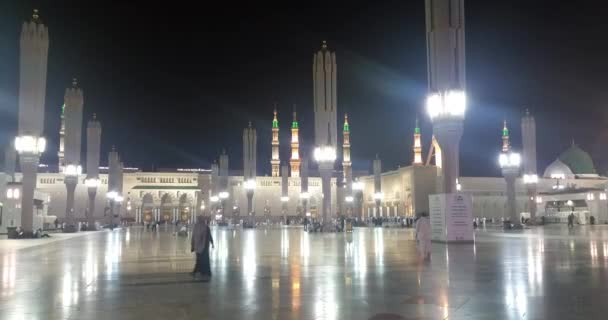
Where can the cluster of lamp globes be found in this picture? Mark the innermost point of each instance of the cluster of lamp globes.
(30, 145)
(113, 195)
(448, 104)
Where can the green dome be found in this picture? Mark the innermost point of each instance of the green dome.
(579, 161)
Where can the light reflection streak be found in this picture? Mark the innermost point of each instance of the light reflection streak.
(69, 289)
(249, 260)
(304, 247)
(379, 248)
(8, 274)
(284, 243)
(360, 261)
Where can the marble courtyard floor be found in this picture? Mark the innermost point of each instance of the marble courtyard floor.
(542, 273)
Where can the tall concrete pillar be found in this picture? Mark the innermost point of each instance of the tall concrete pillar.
(378, 183)
(93, 157)
(33, 55)
(528, 135)
(304, 184)
(249, 166)
(284, 190)
(325, 110)
(446, 100)
(73, 101)
(510, 175)
(10, 161)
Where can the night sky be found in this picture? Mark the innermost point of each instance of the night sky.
(173, 84)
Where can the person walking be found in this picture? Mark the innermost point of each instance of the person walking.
(201, 238)
(423, 236)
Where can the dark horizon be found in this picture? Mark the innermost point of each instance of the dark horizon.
(173, 86)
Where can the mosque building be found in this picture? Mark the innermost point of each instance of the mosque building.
(569, 184)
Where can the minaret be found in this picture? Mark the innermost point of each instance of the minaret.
(61, 153)
(346, 163)
(294, 162)
(446, 99)
(528, 134)
(506, 146)
(73, 101)
(30, 144)
(93, 154)
(275, 162)
(417, 145)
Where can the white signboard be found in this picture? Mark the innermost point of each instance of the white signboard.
(451, 217)
(437, 208)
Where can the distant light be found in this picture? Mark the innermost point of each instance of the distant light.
(451, 103)
(118, 198)
(308, 214)
(558, 176)
(378, 196)
(458, 185)
(325, 154)
(539, 200)
(570, 203)
(590, 196)
(349, 199)
(214, 199)
(92, 182)
(305, 195)
(224, 194)
(509, 160)
(530, 179)
(358, 186)
(249, 184)
(72, 170)
(603, 196)
(112, 195)
(284, 199)
(30, 144)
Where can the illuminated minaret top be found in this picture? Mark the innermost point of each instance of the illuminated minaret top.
(325, 97)
(417, 145)
(346, 142)
(346, 163)
(294, 162)
(506, 146)
(275, 162)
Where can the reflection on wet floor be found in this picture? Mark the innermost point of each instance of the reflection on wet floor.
(286, 273)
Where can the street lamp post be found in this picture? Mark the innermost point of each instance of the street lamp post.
(378, 198)
(284, 200)
(223, 195)
(447, 110)
(249, 187)
(214, 200)
(71, 173)
(509, 163)
(305, 196)
(29, 149)
(531, 180)
(113, 197)
(358, 189)
(326, 156)
(350, 200)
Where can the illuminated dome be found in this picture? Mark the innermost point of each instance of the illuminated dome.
(558, 169)
(578, 161)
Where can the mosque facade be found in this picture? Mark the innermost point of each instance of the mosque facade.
(570, 184)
